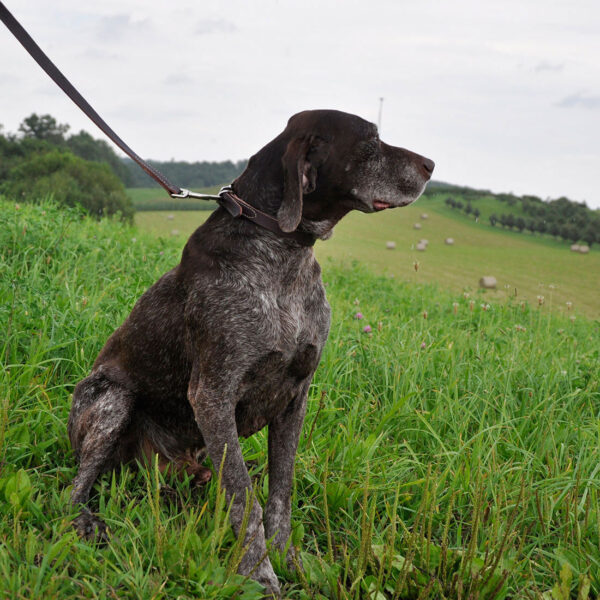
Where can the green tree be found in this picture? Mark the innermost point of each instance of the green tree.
(569, 232)
(590, 235)
(70, 180)
(85, 146)
(541, 225)
(43, 128)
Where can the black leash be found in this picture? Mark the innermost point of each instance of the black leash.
(63, 83)
(226, 197)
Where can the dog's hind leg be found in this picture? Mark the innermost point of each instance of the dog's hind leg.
(100, 416)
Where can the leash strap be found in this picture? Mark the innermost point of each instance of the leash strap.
(63, 83)
(234, 205)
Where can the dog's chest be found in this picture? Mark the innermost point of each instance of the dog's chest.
(271, 382)
(291, 327)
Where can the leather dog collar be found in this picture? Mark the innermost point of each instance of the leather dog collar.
(237, 207)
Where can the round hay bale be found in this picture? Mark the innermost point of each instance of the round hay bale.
(584, 249)
(390, 245)
(575, 248)
(417, 226)
(449, 241)
(421, 247)
(424, 216)
(488, 282)
(170, 217)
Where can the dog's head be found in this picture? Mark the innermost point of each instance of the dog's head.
(333, 162)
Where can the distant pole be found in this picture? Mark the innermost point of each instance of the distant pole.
(380, 111)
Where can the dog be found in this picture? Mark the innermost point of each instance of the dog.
(228, 341)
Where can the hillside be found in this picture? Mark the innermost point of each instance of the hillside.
(560, 218)
(526, 266)
(449, 451)
(42, 159)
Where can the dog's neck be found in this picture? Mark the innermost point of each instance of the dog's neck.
(266, 195)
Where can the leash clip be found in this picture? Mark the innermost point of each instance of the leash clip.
(183, 193)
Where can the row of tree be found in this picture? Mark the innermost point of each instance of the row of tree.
(569, 232)
(560, 218)
(188, 175)
(467, 207)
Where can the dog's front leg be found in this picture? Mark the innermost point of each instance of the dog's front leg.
(284, 433)
(216, 418)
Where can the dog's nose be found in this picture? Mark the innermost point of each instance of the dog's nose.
(428, 165)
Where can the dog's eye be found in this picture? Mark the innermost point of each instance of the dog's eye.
(369, 148)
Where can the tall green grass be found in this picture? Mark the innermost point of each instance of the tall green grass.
(452, 451)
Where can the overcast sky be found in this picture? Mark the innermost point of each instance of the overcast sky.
(503, 95)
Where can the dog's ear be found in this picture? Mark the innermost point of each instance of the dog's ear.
(301, 160)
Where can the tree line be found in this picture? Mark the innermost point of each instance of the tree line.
(41, 159)
(561, 218)
(185, 174)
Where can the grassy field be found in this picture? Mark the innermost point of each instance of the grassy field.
(452, 451)
(525, 266)
(156, 198)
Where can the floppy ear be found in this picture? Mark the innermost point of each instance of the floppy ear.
(300, 161)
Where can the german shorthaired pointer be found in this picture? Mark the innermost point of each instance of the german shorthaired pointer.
(228, 341)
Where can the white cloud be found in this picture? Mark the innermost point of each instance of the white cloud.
(207, 26)
(580, 100)
(480, 87)
(544, 65)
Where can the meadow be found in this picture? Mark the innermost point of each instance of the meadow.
(450, 449)
(524, 265)
(156, 199)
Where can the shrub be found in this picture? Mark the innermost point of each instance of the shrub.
(71, 181)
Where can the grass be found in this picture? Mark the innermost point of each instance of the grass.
(155, 198)
(452, 452)
(525, 266)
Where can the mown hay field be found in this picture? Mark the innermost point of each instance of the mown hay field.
(525, 266)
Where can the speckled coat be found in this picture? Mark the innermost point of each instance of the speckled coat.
(228, 341)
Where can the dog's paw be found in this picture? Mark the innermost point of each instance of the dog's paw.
(202, 475)
(270, 583)
(89, 527)
(293, 561)
(263, 574)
